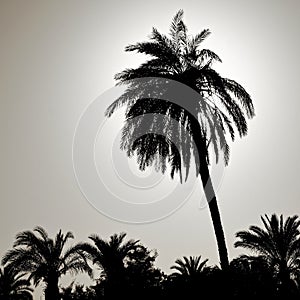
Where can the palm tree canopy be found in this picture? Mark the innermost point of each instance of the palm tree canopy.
(13, 286)
(278, 242)
(109, 255)
(126, 266)
(189, 267)
(222, 105)
(35, 253)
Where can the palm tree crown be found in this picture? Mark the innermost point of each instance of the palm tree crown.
(13, 286)
(189, 267)
(189, 273)
(114, 258)
(44, 258)
(278, 243)
(223, 102)
(109, 255)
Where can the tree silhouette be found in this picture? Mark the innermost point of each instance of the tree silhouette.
(189, 273)
(189, 267)
(79, 292)
(109, 256)
(13, 286)
(44, 259)
(252, 277)
(126, 266)
(142, 277)
(223, 105)
(279, 244)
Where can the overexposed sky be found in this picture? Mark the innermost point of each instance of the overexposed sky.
(58, 56)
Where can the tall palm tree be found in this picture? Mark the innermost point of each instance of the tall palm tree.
(222, 105)
(13, 286)
(278, 243)
(190, 267)
(44, 259)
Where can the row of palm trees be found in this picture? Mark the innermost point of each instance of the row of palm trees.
(46, 260)
(128, 266)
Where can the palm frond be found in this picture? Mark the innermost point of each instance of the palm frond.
(177, 26)
(189, 266)
(200, 37)
(206, 54)
(278, 243)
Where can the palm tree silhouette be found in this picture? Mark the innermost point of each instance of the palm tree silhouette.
(189, 273)
(110, 256)
(45, 259)
(13, 286)
(279, 244)
(223, 104)
(189, 267)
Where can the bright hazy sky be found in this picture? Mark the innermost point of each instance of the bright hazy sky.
(58, 56)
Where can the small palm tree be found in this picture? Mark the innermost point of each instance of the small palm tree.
(110, 256)
(189, 268)
(222, 105)
(13, 286)
(278, 244)
(189, 273)
(44, 259)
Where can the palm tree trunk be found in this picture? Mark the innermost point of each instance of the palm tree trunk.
(52, 291)
(209, 191)
(214, 212)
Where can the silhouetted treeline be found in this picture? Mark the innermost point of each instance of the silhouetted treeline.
(126, 268)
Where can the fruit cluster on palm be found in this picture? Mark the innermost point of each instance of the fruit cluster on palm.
(220, 108)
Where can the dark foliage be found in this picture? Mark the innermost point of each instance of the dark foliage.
(13, 285)
(278, 244)
(127, 267)
(45, 259)
(128, 271)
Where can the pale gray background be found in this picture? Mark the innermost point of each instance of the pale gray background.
(57, 56)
